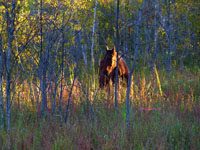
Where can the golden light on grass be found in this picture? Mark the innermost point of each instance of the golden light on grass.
(158, 80)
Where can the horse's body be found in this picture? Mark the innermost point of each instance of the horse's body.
(107, 68)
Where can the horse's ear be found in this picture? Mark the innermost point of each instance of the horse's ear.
(107, 48)
(114, 49)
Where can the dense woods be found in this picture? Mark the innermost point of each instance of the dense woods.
(50, 54)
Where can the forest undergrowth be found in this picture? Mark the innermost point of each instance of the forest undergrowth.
(163, 115)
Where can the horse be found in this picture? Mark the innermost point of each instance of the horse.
(107, 68)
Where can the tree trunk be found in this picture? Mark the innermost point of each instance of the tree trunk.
(10, 17)
(133, 66)
(62, 68)
(43, 68)
(82, 48)
(69, 99)
(1, 83)
(117, 50)
(168, 63)
(167, 29)
(93, 32)
(155, 36)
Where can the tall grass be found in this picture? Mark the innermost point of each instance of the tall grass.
(175, 124)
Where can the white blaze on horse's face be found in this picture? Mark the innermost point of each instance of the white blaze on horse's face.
(114, 60)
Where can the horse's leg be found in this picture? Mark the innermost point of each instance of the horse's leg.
(108, 88)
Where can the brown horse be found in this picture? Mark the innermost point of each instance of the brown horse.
(108, 67)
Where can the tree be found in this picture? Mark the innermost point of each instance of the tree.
(133, 65)
(117, 50)
(1, 83)
(93, 32)
(10, 19)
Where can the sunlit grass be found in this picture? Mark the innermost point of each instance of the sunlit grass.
(158, 121)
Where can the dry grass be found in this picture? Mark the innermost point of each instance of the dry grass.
(164, 115)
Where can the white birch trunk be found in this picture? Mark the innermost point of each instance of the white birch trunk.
(93, 32)
(1, 84)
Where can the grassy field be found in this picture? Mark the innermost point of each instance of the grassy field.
(163, 115)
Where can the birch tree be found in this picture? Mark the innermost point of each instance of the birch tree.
(10, 19)
(117, 49)
(133, 65)
(93, 32)
(1, 83)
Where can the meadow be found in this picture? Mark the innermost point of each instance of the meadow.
(163, 115)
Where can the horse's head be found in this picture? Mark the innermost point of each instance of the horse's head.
(110, 60)
(108, 66)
